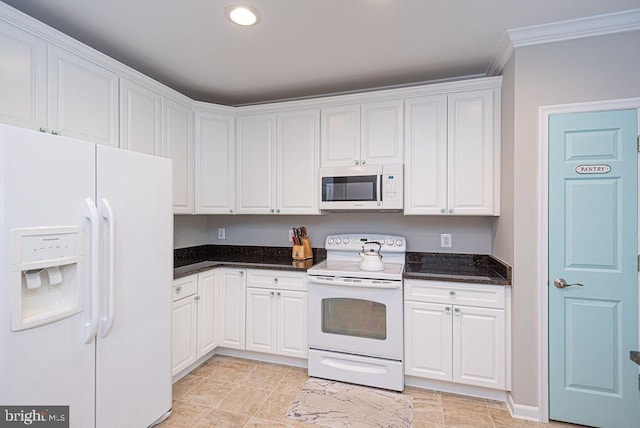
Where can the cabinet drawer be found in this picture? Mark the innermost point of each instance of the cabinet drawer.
(282, 280)
(183, 287)
(455, 293)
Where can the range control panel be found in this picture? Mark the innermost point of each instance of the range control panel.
(354, 242)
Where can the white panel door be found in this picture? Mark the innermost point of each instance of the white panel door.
(340, 135)
(183, 334)
(479, 346)
(83, 98)
(472, 152)
(425, 165)
(177, 133)
(215, 163)
(428, 340)
(139, 338)
(256, 164)
(140, 118)
(261, 320)
(291, 323)
(23, 78)
(382, 132)
(298, 151)
(231, 308)
(207, 305)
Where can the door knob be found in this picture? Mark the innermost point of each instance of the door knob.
(561, 283)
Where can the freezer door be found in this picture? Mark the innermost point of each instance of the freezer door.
(134, 339)
(44, 181)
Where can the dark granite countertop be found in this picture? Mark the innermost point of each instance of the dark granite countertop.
(635, 357)
(188, 261)
(469, 268)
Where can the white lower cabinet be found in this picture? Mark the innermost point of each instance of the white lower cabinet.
(194, 307)
(456, 332)
(231, 308)
(276, 320)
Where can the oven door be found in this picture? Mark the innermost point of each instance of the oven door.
(356, 320)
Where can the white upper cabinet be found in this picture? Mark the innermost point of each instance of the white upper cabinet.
(256, 164)
(215, 163)
(474, 154)
(452, 162)
(83, 98)
(298, 160)
(278, 163)
(140, 118)
(359, 134)
(23, 78)
(177, 133)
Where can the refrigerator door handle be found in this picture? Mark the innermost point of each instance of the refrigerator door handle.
(107, 213)
(91, 213)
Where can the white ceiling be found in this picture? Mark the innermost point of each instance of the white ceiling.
(302, 48)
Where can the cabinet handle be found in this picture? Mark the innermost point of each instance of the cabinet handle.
(178, 290)
(362, 162)
(452, 293)
(457, 311)
(56, 133)
(43, 130)
(197, 298)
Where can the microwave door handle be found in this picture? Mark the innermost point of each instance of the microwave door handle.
(379, 193)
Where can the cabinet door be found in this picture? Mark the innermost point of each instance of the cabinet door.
(382, 132)
(207, 290)
(340, 136)
(83, 98)
(291, 322)
(425, 165)
(261, 316)
(215, 163)
(479, 346)
(23, 78)
(471, 153)
(428, 340)
(183, 344)
(177, 136)
(140, 118)
(231, 308)
(256, 164)
(298, 152)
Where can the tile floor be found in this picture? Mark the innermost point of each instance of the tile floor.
(234, 392)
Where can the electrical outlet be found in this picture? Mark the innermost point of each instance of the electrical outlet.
(222, 233)
(445, 240)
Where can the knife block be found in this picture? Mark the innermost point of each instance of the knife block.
(302, 252)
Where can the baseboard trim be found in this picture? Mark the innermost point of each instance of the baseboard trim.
(455, 388)
(520, 411)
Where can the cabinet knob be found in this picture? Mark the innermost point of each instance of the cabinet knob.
(56, 132)
(443, 211)
(275, 280)
(178, 290)
(43, 130)
(197, 298)
(450, 210)
(278, 211)
(272, 293)
(230, 211)
(272, 210)
(278, 293)
(452, 293)
(356, 162)
(457, 310)
(447, 309)
(362, 162)
(241, 272)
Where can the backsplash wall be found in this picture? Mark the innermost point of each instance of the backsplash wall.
(469, 234)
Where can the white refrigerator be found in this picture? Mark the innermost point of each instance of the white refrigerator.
(86, 267)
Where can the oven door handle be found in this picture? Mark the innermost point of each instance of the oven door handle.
(340, 282)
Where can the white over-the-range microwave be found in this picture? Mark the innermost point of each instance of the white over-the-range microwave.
(354, 188)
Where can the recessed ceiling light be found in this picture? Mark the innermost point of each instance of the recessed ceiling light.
(243, 15)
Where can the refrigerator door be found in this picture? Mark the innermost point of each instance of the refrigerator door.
(134, 339)
(44, 360)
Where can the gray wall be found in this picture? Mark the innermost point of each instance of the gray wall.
(590, 69)
(469, 234)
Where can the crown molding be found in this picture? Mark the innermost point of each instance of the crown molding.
(597, 25)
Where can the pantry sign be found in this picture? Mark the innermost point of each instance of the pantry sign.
(593, 169)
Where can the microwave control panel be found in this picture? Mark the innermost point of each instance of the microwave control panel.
(392, 187)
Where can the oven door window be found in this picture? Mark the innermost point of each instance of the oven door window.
(354, 317)
(353, 188)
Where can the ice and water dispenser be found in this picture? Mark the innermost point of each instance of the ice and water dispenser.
(47, 275)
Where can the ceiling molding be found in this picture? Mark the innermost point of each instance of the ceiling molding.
(598, 25)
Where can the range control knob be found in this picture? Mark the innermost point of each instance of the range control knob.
(399, 243)
(338, 240)
(389, 241)
(330, 241)
(345, 241)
